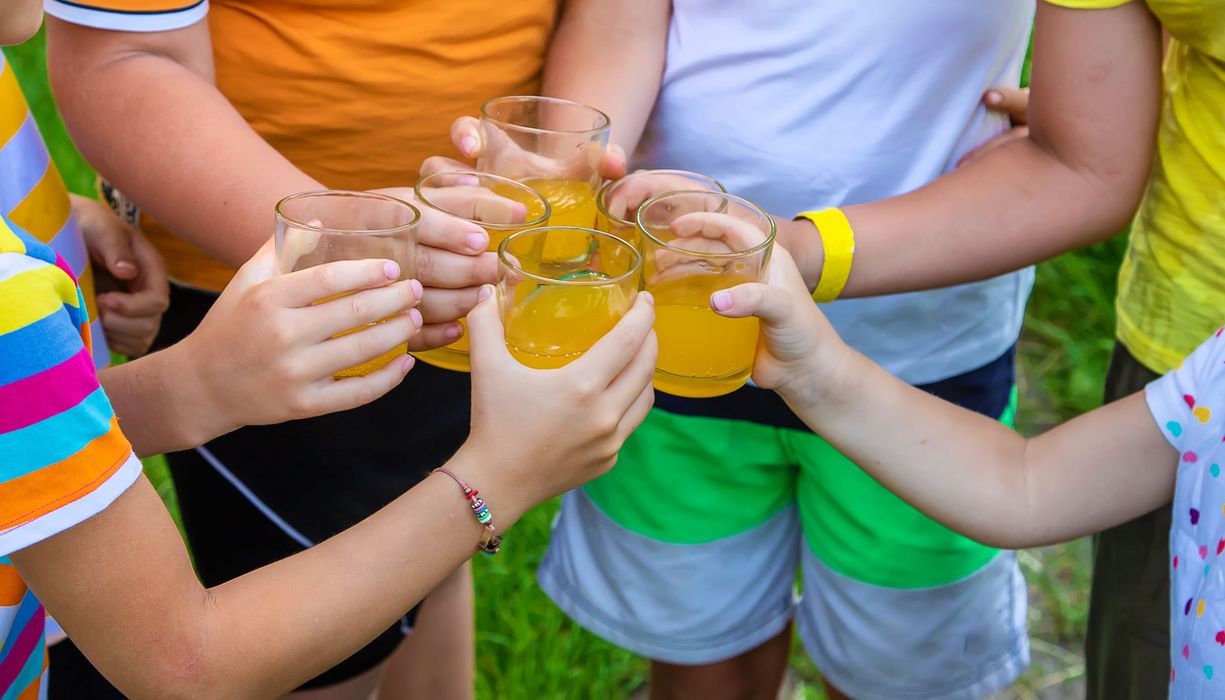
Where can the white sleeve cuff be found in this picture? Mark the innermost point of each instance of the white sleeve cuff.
(72, 513)
(126, 20)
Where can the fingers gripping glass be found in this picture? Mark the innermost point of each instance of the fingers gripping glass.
(499, 205)
(694, 244)
(554, 146)
(618, 201)
(554, 307)
(313, 228)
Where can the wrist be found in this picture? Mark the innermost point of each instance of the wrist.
(836, 372)
(822, 375)
(802, 239)
(484, 471)
(196, 394)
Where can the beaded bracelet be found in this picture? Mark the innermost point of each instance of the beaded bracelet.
(491, 541)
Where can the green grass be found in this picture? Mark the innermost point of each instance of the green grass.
(528, 649)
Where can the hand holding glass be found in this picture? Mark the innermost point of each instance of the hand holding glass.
(499, 205)
(694, 244)
(618, 201)
(313, 228)
(555, 307)
(552, 145)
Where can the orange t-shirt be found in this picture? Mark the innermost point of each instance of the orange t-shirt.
(356, 93)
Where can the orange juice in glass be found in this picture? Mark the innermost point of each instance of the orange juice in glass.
(499, 205)
(695, 243)
(553, 145)
(313, 228)
(555, 307)
(617, 201)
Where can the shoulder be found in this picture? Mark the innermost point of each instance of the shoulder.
(62, 455)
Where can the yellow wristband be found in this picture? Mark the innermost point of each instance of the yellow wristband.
(838, 239)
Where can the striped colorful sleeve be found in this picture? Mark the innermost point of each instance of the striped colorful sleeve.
(63, 458)
(129, 15)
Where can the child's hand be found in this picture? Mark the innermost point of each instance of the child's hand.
(1012, 102)
(266, 351)
(452, 264)
(467, 138)
(543, 432)
(129, 277)
(799, 349)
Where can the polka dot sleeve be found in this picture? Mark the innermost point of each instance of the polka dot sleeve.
(1189, 402)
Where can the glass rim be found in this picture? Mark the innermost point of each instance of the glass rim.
(608, 186)
(534, 223)
(727, 196)
(546, 100)
(634, 269)
(357, 194)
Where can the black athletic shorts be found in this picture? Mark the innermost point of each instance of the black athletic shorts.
(262, 493)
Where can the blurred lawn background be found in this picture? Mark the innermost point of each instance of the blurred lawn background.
(528, 649)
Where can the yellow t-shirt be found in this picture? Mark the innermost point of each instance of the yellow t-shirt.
(356, 93)
(1172, 284)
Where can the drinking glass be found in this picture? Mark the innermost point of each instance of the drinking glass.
(617, 202)
(313, 228)
(554, 308)
(499, 205)
(694, 244)
(552, 145)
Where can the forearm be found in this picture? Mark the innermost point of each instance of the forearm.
(958, 467)
(266, 632)
(1076, 179)
(163, 134)
(980, 478)
(160, 406)
(610, 54)
(349, 588)
(1016, 206)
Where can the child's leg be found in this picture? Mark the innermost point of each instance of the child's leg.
(686, 553)
(436, 661)
(756, 674)
(1127, 649)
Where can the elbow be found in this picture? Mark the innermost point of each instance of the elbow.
(1120, 194)
(174, 673)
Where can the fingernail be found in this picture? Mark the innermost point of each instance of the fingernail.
(994, 97)
(415, 315)
(722, 301)
(483, 293)
(418, 290)
(125, 265)
(479, 241)
(454, 331)
(468, 180)
(391, 270)
(649, 297)
(468, 145)
(406, 363)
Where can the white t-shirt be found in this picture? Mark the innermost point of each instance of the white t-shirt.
(1189, 407)
(798, 105)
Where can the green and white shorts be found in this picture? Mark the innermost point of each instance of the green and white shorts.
(688, 553)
